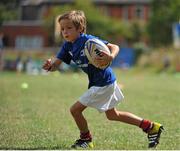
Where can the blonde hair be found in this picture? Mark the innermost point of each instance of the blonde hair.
(77, 17)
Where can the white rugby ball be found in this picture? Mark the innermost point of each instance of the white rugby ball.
(93, 48)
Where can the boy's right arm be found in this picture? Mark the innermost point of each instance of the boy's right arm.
(51, 65)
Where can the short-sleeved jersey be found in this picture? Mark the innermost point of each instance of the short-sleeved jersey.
(75, 52)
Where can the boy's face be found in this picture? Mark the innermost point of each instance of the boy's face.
(68, 30)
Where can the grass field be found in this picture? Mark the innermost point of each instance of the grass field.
(39, 117)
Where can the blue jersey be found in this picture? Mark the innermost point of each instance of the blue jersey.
(75, 52)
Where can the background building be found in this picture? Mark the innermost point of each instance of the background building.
(29, 32)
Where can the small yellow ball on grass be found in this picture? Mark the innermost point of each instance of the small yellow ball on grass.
(24, 85)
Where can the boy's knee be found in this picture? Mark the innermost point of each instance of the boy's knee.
(77, 109)
(74, 111)
(110, 117)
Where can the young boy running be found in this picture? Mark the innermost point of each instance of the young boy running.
(103, 92)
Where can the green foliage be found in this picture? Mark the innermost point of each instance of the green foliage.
(7, 12)
(139, 49)
(137, 30)
(97, 23)
(164, 14)
(164, 59)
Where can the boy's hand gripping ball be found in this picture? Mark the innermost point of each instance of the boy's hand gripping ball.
(94, 49)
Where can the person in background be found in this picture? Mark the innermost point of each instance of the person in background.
(1, 51)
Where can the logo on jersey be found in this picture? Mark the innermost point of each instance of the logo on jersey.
(82, 53)
(70, 53)
(78, 62)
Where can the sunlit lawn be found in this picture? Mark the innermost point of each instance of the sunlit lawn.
(39, 117)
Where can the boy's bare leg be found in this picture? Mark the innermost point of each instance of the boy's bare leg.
(125, 117)
(153, 129)
(85, 140)
(76, 111)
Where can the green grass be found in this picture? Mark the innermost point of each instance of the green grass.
(39, 117)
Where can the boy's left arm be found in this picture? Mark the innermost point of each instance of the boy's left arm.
(114, 50)
(106, 58)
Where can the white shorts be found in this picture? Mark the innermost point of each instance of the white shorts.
(102, 98)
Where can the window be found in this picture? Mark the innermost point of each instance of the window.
(139, 12)
(30, 13)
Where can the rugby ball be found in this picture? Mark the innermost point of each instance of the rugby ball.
(93, 48)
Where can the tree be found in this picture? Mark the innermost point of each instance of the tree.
(164, 14)
(8, 10)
